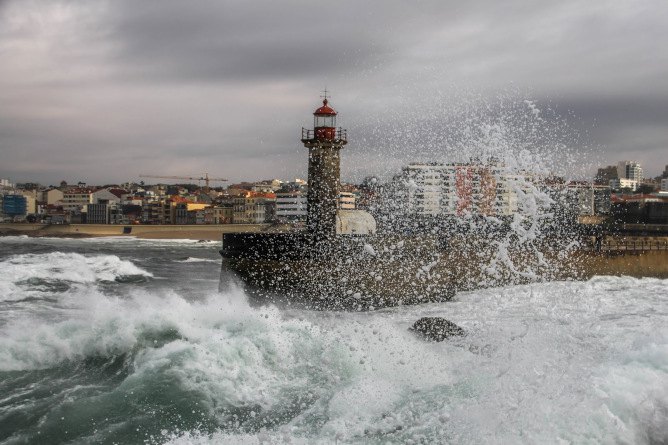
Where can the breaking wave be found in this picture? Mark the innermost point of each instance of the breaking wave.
(199, 260)
(565, 361)
(27, 274)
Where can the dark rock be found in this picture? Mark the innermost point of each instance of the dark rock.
(436, 328)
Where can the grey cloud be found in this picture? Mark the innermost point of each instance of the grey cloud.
(243, 41)
(621, 109)
(625, 127)
(112, 88)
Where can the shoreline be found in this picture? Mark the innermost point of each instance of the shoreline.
(190, 232)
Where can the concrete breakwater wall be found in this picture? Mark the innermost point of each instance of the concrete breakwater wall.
(382, 271)
(638, 264)
(195, 232)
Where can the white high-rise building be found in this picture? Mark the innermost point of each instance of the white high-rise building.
(630, 170)
(462, 188)
(291, 206)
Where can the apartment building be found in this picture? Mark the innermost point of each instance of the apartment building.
(76, 199)
(157, 212)
(97, 213)
(630, 170)
(624, 183)
(12, 205)
(253, 207)
(223, 214)
(462, 188)
(184, 212)
(291, 206)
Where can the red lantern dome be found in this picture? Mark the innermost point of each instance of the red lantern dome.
(325, 110)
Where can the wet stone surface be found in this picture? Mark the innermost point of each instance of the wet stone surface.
(436, 329)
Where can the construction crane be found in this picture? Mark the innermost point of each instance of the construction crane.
(204, 178)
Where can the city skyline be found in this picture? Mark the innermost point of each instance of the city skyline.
(103, 91)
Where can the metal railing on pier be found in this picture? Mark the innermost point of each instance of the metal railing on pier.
(631, 245)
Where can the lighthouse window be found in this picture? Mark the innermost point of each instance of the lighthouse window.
(325, 121)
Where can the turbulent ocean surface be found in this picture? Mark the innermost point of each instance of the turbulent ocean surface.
(130, 341)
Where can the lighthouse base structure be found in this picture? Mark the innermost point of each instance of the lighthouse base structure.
(376, 271)
(342, 272)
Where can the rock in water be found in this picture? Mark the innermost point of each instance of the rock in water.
(436, 328)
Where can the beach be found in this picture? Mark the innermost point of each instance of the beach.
(192, 232)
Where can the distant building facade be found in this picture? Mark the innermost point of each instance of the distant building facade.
(630, 170)
(76, 199)
(110, 195)
(624, 183)
(640, 209)
(664, 185)
(97, 213)
(12, 205)
(583, 198)
(606, 174)
(253, 208)
(53, 197)
(291, 206)
(461, 188)
(223, 214)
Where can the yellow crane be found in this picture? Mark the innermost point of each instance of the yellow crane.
(204, 178)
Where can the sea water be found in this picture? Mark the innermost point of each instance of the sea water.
(130, 341)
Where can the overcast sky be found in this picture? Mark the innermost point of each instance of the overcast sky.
(103, 91)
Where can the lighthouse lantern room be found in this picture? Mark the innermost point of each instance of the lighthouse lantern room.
(324, 121)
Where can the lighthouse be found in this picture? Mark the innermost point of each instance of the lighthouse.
(324, 143)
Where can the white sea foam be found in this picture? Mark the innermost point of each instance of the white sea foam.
(567, 361)
(559, 362)
(61, 267)
(13, 238)
(199, 260)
